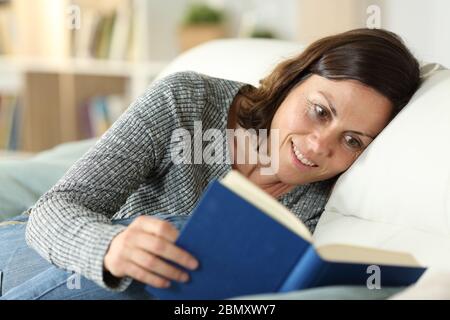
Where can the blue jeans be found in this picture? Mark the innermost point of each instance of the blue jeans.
(25, 275)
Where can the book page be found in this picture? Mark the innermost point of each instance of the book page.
(374, 238)
(365, 255)
(239, 184)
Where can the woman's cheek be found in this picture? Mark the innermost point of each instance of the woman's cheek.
(345, 160)
(299, 122)
(306, 121)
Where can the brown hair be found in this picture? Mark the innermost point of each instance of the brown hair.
(374, 57)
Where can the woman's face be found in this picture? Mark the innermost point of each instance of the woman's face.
(324, 125)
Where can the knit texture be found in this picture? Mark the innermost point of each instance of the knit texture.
(130, 172)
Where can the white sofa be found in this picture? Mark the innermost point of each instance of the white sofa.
(245, 60)
(397, 194)
(398, 191)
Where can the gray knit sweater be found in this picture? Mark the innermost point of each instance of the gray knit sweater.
(129, 172)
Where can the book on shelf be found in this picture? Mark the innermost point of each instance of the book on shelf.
(103, 42)
(7, 29)
(97, 114)
(104, 34)
(10, 118)
(248, 243)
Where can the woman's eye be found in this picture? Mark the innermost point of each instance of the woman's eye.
(353, 143)
(318, 112)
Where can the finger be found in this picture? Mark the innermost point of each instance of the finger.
(142, 275)
(157, 227)
(154, 264)
(164, 249)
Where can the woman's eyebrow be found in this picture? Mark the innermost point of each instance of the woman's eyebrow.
(330, 104)
(333, 110)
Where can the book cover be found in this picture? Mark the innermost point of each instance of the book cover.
(8, 105)
(97, 36)
(14, 138)
(105, 36)
(7, 29)
(86, 125)
(248, 243)
(98, 115)
(115, 105)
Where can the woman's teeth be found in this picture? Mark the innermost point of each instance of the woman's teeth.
(302, 158)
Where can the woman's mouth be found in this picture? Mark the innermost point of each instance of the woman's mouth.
(300, 160)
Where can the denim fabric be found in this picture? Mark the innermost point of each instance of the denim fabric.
(25, 275)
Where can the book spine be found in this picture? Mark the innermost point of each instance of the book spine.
(15, 126)
(85, 120)
(3, 123)
(96, 116)
(115, 106)
(7, 28)
(8, 106)
(305, 272)
(312, 271)
(97, 35)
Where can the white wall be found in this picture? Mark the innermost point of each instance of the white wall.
(165, 15)
(425, 26)
(280, 16)
(320, 18)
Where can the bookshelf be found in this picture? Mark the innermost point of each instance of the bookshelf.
(54, 68)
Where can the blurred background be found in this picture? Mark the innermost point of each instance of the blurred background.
(69, 68)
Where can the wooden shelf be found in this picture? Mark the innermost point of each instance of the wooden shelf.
(52, 84)
(53, 90)
(81, 66)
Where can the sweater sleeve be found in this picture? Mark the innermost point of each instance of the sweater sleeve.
(70, 225)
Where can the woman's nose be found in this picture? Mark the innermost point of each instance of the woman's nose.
(320, 143)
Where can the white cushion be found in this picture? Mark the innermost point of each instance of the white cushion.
(397, 194)
(245, 60)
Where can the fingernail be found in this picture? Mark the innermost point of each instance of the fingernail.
(193, 264)
(184, 277)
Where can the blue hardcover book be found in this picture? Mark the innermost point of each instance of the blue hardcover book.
(248, 243)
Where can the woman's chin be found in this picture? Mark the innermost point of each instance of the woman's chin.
(289, 176)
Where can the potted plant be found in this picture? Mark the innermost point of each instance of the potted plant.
(201, 23)
(263, 33)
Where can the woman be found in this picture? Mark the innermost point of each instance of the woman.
(109, 218)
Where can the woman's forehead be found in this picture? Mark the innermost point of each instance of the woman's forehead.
(345, 92)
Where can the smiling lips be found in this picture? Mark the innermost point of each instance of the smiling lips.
(305, 161)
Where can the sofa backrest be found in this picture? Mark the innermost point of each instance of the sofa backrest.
(244, 60)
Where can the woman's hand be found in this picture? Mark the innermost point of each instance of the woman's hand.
(137, 251)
